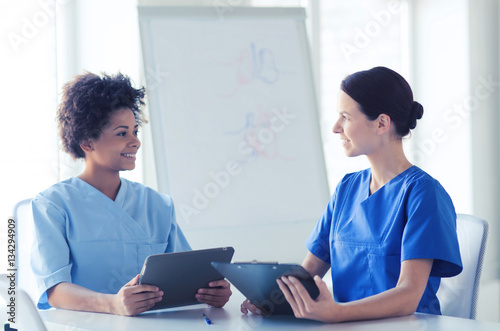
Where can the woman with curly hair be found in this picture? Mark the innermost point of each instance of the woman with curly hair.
(94, 231)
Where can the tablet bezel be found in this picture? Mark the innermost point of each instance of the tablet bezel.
(180, 275)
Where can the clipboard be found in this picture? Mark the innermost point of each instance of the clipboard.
(257, 282)
(180, 275)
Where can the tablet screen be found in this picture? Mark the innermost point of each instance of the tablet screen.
(180, 275)
(257, 282)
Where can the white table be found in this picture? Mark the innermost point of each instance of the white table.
(230, 318)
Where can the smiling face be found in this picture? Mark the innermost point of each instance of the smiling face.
(357, 133)
(116, 148)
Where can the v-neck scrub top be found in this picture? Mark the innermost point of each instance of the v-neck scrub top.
(366, 237)
(85, 238)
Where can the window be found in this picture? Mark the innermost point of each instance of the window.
(355, 35)
(29, 157)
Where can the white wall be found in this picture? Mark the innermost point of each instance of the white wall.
(455, 75)
(485, 141)
(441, 143)
(28, 159)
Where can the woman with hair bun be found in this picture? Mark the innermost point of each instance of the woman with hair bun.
(388, 232)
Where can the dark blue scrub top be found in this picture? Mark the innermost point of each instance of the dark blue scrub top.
(365, 238)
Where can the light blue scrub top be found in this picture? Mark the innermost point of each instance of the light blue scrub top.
(365, 238)
(85, 238)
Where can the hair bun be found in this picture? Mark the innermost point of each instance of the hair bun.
(417, 111)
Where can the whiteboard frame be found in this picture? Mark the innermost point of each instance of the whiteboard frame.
(146, 13)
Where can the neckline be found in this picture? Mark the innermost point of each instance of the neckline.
(389, 182)
(120, 193)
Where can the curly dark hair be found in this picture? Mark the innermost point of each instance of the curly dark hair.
(87, 104)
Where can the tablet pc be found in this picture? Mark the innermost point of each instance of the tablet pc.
(180, 275)
(257, 282)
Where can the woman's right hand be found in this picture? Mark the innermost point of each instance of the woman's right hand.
(247, 306)
(133, 299)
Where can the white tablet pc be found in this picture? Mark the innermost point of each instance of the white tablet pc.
(180, 275)
(257, 282)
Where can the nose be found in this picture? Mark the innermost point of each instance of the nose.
(135, 142)
(337, 127)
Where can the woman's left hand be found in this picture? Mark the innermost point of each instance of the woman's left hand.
(324, 308)
(217, 295)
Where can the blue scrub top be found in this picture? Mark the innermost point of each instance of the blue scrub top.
(366, 237)
(85, 238)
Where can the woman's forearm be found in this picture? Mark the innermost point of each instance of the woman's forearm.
(132, 299)
(399, 301)
(74, 297)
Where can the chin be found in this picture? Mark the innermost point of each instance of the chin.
(348, 153)
(351, 154)
(128, 168)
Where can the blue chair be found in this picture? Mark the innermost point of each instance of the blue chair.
(458, 295)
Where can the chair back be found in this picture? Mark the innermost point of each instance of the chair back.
(25, 238)
(458, 295)
(26, 315)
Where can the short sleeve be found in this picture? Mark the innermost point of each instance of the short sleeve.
(50, 256)
(430, 232)
(177, 242)
(318, 242)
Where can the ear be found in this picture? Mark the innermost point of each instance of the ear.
(87, 146)
(383, 123)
